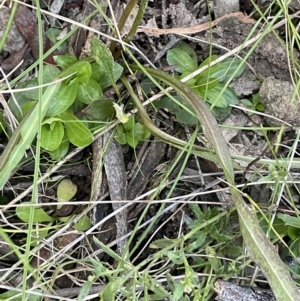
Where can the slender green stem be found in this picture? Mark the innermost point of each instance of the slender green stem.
(8, 25)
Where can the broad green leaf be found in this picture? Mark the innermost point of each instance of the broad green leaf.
(50, 73)
(52, 33)
(140, 132)
(106, 80)
(83, 224)
(121, 115)
(167, 103)
(66, 190)
(221, 113)
(77, 133)
(65, 61)
(227, 69)
(260, 107)
(101, 110)
(89, 92)
(103, 57)
(178, 292)
(131, 140)
(182, 61)
(31, 94)
(62, 150)
(52, 135)
(120, 135)
(129, 125)
(16, 104)
(227, 97)
(211, 69)
(188, 49)
(204, 83)
(190, 82)
(97, 72)
(289, 220)
(246, 102)
(293, 232)
(82, 71)
(63, 99)
(255, 99)
(39, 215)
(182, 114)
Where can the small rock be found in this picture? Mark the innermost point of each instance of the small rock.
(276, 96)
(15, 40)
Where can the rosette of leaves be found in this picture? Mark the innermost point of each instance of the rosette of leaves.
(88, 79)
(254, 105)
(210, 85)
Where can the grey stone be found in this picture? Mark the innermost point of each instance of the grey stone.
(276, 96)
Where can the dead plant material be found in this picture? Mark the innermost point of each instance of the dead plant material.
(196, 28)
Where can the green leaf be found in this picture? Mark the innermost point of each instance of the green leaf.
(227, 69)
(77, 133)
(132, 141)
(103, 57)
(178, 292)
(63, 99)
(97, 72)
(89, 92)
(175, 256)
(65, 61)
(83, 224)
(120, 135)
(246, 102)
(205, 83)
(50, 73)
(289, 220)
(52, 34)
(101, 110)
(9, 294)
(260, 107)
(82, 71)
(62, 150)
(140, 132)
(293, 232)
(32, 94)
(99, 268)
(188, 49)
(182, 60)
(52, 135)
(84, 290)
(182, 115)
(211, 69)
(106, 80)
(39, 215)
(227, 97)
(163, 243)
(191, 82)
(66, 190)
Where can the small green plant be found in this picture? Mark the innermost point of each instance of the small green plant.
(81, 93)
(210, 85)
(66, 190)
(131, 132)
(253, 104)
